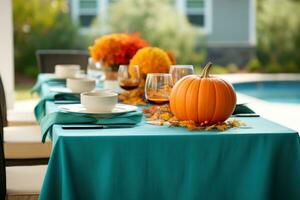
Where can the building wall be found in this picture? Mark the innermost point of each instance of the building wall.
(6, 50)
(231, 20)
(232, 38)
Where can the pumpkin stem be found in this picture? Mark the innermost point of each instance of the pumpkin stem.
(206, 70)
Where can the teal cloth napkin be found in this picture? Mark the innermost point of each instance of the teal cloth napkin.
(242, 109)
(45, 78)
(77, 118)
(39, 110)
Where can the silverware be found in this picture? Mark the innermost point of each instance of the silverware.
(56, 84)
(95, 126)
(66, 102)
(246, 115)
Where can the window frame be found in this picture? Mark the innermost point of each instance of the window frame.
(181, 6)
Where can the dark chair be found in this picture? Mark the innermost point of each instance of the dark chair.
(3, 104)
(19, 149)
(19, 182)
(47, 59)
(2, 162)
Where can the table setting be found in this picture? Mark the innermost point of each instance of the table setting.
(154, 129)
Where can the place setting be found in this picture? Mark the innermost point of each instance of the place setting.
(76, 86)
(81, 105)
(58, 79)
(66, 92)
(100, 102)
(97, 109)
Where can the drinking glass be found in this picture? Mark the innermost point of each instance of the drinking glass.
(129, 79)
(158, 87)
(94, 70)
(179, 71)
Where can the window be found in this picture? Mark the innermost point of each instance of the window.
(86, 20)
(198, 12)
(88, 10)
(87, 4)
(195, 12)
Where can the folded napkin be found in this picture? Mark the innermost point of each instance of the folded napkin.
(61, 117)
(39, 110)
(45, 78)
(242, 109)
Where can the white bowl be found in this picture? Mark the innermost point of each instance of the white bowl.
(99, 101)
(67, 71)
(79, 85)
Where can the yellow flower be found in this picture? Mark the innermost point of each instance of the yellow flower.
(151, 60)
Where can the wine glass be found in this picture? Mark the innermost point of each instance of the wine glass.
(179, 71)
(129, 79)
(158, 87)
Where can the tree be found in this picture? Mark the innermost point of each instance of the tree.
(41, 24)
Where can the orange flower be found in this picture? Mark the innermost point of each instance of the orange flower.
(116, 49)
(172, 57)
(151, 60)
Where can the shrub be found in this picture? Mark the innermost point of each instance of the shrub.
(254, 66)
(278, 25)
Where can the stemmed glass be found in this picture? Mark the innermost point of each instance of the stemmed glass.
(179, 71)
(158, 87)
(129, 79)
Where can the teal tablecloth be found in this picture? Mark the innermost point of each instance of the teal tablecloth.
(260, 161)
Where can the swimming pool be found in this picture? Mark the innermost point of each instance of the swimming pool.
(272, 91)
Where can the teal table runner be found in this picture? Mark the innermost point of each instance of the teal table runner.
(260, 161)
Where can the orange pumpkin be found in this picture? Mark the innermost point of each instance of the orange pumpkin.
(203, 99)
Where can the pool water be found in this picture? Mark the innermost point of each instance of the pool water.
(272, 91)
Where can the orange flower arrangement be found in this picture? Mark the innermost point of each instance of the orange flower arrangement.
(116, 49)
(151, 60)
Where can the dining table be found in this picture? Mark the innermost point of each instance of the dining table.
(260, 160)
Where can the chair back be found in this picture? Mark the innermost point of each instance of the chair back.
(47, 59)
(3, 104)
(2, 162)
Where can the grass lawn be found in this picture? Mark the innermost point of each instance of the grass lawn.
(23, 92)
(23, 85)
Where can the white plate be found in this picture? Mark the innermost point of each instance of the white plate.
(62, 90)
(54, 76)
(78, 108)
